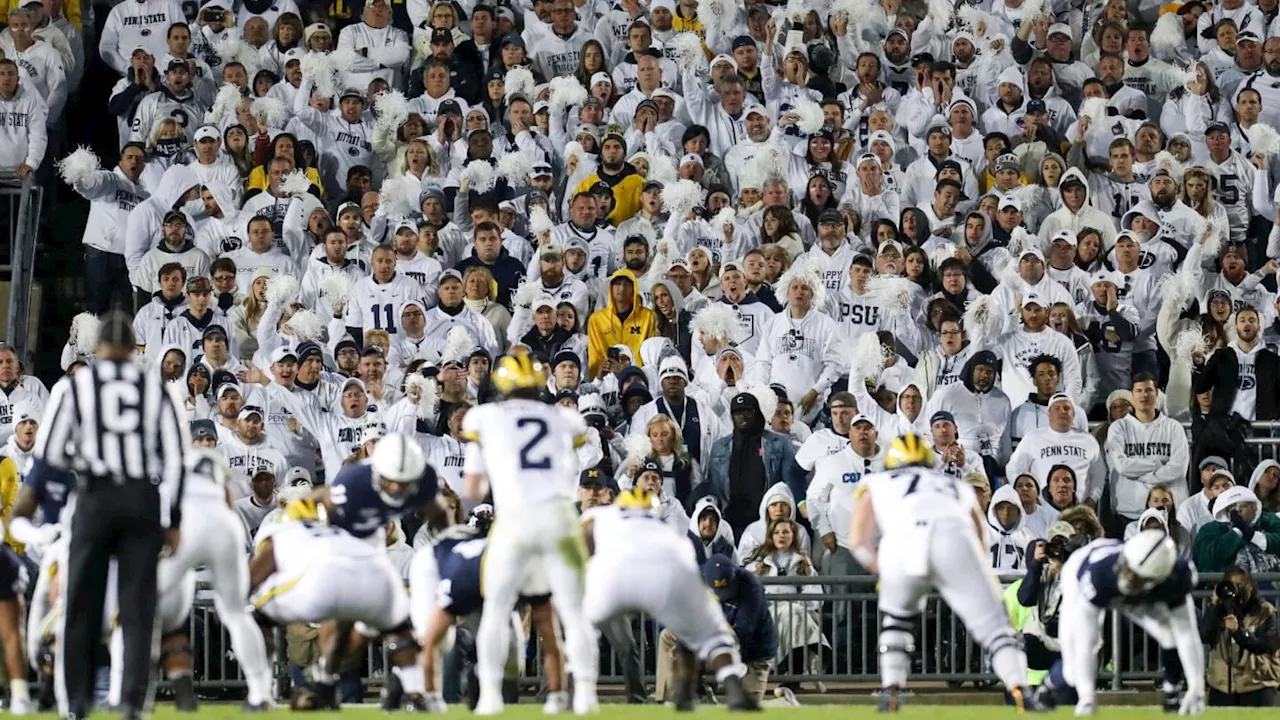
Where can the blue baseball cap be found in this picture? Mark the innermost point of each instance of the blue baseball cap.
(942, 415)
(717, 573)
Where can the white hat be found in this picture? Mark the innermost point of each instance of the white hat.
(601, 78)
(673, 366)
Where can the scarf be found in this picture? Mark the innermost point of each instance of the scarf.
(688, 421)
(477, 305)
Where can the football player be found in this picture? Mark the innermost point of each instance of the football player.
(525, 452)
(639, 564)
(932, 535)
(1145, 579)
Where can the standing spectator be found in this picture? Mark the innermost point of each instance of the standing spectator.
(829, 498)
(249, 452)
(801, 347)
(980, 409)
(1038, 513)
(23, 114)
(624, 320)
(489, 253)
(112, 195)
(174, 246)
(747, 610)
(1244, 375)
(1059, 444)
(344, 134)
(137, 23)
(1046, 375)
(46, 72)
(382, 50)
(1144, 449)
(778, 504)
(174, 99)
(1196, 511)
(829, 440)
(261, 499)
(750, 460)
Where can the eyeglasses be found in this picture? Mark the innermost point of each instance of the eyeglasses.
(951, 332)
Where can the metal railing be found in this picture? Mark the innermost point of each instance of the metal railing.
(20, 201)
(846, 612)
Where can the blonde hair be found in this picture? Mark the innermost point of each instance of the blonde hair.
(371, 337)
(677, 439)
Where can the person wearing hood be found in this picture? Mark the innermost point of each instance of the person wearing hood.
(222, 230)
(1241, 534)
(800, 348)
(175, 246)
(777, 504)
(1038, 514)
(624, 320)
(1077, 213)
(1157, 517)
(748, 461)
(1196, 511)
(673, 319)
(710, 534)
(829, 498)
(1009, 535)
(1144, 450)
(1265, 483)
(981, 410)
(1059, 444)
(178, 190)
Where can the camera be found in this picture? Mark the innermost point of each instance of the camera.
(212, 15)
(1057, 548)
(1228, 596)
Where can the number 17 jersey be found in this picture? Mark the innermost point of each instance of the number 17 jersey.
(903, 498)
(527, 449)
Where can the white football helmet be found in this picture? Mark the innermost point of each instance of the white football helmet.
(397, 460)
(209, 463)
(1146, 560)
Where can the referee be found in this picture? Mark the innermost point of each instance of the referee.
(115, 425)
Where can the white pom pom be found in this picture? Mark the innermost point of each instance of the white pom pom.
(318, 68)
(515, 167)
(662, 168)
(295, 184)
(1019, 241)
(768, 164)
(392, 109)
(224, 104)
(306, 325)
(458, 345)
(88, 327)
(726, 216)
(806, 270)
(1167, 38)
(808, 115)
(1095, 109)
(574, 149)
(1181, 288)
(518, 82)
(1263, 140)
(341, 59)
(681, 196)
(231, 49)
(893, 293)
(1189, 344)
(638, 446)
(720, 15)
(424, 390)
(1212, 243)
(479, 176)
(566, 92)
(868, 358)
(974, 20)
(398, 199)
(1033, 9)
(79, 166)
(270, 111)
(941, 253)
(942, 12)
(282, 290)
(1166, 161)
(687, 53)
(526, 292)
(336, 286)
(980, 320)
(539, 221)
(717, 321)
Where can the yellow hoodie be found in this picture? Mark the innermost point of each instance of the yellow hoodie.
(10, 483)
(605, 328)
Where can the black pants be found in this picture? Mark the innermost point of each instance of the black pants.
(106, 280)
(1266, 697)
(121, 521)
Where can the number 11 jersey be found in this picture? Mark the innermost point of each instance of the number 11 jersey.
(527, 449)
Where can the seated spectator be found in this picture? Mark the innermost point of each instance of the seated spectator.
(1240, 534)
(1039, 515)
(1009, 536)
(800, 637)
(1060, 488)
(1161, 508)
(648, 477)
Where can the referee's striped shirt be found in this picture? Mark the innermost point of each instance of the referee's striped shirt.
(114, 422)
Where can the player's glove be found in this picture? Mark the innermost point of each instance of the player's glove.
(1192, 704)
(1239, 523)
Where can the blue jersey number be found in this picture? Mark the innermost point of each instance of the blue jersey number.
(530, 459)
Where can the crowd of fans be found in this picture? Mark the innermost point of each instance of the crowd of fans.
(752, 243)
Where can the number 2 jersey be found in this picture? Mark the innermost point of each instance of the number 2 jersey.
(527, 449)
(902, 499)
(1096, 568)
(359, 508)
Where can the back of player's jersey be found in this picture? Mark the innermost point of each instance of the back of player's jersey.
(527, 449)
(618, 532)
(900, 498)
(298, 544)
(203, 481)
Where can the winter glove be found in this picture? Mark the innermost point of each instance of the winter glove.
(1239, 523)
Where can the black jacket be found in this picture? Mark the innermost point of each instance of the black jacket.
(1221, 373)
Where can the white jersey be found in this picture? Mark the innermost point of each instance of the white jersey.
(297, 545)
(628, 533)
(902, 498)
(377, 306)
(527, 449)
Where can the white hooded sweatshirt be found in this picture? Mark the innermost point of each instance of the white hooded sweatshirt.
(1008, 545)
(754, 534)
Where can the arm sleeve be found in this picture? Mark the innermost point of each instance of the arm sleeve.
(58, 427)
(393, 55)
(173, 441)
(109, 45)
(37, 135)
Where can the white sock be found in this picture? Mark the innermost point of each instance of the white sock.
(1010, 665)
(18, 690)
(411, 679)
(731, 670)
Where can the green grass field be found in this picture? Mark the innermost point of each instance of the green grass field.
(656, 712)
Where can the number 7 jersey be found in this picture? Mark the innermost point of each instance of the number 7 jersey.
(527, 449)
(903, 498)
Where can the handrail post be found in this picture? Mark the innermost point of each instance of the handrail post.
(22, 261)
